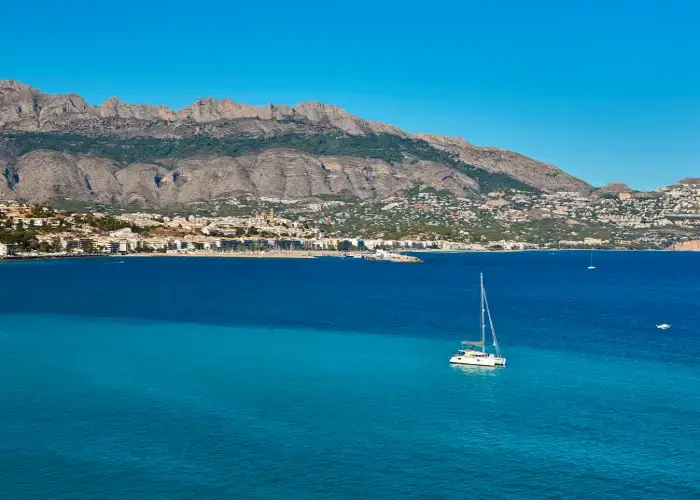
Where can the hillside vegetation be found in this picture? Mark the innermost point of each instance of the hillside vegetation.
(391, 148)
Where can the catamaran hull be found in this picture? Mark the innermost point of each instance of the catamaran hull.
(477, 361)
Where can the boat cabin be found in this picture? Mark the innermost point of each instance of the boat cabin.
(474, 354)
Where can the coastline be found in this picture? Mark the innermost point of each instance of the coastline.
(304, 254)
(410, 256)
(439, 251)
(224, 255)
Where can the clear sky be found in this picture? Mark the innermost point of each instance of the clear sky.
(606, 90)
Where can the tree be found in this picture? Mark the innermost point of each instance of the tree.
(25, 240)
(46, 247)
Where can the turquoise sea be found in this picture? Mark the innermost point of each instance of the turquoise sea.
(328, 379)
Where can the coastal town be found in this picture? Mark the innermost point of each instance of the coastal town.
(614, 217)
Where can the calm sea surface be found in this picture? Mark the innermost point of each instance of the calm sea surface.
(299, 379)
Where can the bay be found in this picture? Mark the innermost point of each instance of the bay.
(186, 378)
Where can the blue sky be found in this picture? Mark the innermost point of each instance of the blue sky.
(606, 90)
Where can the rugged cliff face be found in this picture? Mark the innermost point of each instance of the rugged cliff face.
(279, 173)
(58, 147)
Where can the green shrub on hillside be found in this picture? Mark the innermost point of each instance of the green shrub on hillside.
(388, 147)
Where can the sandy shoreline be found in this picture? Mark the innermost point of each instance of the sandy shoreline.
(305, 254)
(246, 255)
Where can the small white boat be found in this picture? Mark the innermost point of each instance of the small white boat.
(591, 267)
(663, 326)
(475, 352)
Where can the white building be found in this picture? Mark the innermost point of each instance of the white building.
(122, 233)
(6, 250)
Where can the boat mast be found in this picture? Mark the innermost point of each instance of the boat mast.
(483, 323)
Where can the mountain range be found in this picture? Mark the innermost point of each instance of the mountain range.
(57, 147)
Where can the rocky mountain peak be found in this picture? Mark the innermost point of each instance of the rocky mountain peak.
(692, 181)
(114, 108)
(615, 187)
(22, 103)
(15, 85)
(315, 111)
(209, 109)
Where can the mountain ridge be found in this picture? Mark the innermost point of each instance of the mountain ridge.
(31, 104)
(101, 141)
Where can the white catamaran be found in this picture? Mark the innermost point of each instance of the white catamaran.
(475, 353)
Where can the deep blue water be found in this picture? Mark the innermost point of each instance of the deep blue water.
(248, 378)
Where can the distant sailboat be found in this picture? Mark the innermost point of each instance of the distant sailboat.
(663, 326)
(591, 267)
